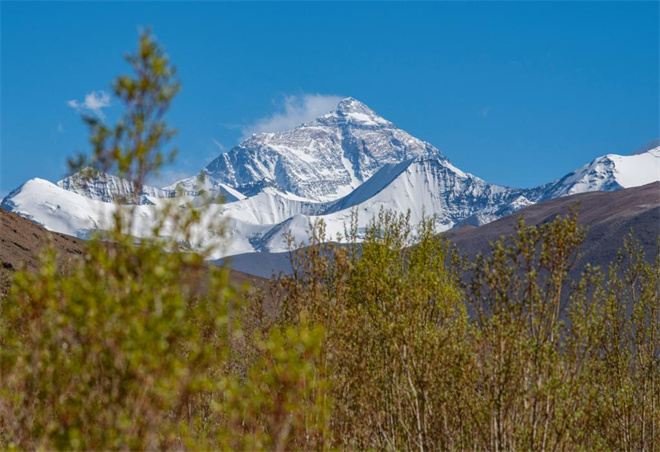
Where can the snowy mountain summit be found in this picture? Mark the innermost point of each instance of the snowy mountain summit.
(349, 159)
(608, 173)
(321, 160)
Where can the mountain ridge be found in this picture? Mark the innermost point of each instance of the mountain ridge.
(349, 159)
(608, 217)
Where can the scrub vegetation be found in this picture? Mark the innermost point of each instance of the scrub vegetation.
(394, 343)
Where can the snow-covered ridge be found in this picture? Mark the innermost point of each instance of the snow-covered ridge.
(57, 209)
(104, 187)
(426, 187)
(274, 184)
(607, 173)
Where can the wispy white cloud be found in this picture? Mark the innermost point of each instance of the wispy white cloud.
(60, 127)
(94, 102)
(168, 177)
(293, 111)
(220, 146)
(483, 112)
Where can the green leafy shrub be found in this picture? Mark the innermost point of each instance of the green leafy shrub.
(516, 354)
(396, 327)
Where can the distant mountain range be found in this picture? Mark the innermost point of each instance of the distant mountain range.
(274, 184)
(607, 216)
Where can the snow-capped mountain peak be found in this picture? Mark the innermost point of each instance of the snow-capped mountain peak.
(607, 173)
(353, 112)
(322, 160)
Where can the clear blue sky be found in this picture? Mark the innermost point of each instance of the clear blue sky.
(517, 93)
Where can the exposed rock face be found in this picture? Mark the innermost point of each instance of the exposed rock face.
(107, 188)
(321, 160)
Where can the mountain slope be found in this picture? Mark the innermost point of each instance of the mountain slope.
(55, 208)
(321, 160)
(609, 217)
(104, 187)
(425, 186)
(100, 186)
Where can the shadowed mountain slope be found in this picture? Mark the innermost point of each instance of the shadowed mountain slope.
(609, 217)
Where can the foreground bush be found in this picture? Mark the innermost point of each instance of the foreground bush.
(395, 333)
(516, 355)
(124, 353)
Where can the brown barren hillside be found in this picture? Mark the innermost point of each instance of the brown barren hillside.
(608, 217)
(22, 241)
